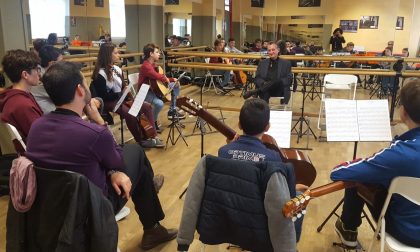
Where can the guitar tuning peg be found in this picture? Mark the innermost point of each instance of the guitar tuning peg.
(304, 211)
(299, 215)
(190, 100)
(302, 200)
(297, 203)
(294, 218)
(307, 197)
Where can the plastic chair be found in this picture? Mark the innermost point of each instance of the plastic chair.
(339, 82)
(408, 188)
(133, 78)
(14, 137)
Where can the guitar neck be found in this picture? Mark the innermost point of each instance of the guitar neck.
(330, 188)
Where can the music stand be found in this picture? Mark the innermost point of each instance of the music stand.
(199, 122)
(302, 120)
(175, 124)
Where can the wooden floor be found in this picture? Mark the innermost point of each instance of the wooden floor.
(177, 162)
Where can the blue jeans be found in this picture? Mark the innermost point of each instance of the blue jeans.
(226, 76)
(156, 102)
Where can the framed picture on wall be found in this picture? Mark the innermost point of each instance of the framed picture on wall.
(172, 2)
(369, 22)
(257, 3)
(309, 3)
(400, 23)
(79, 2)
(99, 3)
(348, 25)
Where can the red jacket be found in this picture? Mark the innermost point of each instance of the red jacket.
(20, 109)
(149, 75)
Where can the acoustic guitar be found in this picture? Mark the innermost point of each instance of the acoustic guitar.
(163, 91)
(304, 170)
(372, 194)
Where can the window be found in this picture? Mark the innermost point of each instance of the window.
(44, 22)
(117, 16)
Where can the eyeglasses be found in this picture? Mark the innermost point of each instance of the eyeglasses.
(37, 68)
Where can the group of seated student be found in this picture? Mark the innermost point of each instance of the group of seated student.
(224, 85)
(126, 172)
(108, 84)
(91, 150)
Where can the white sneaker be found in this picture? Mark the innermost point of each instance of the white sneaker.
(124, 212)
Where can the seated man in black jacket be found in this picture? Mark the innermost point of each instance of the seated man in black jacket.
(63, 140)
(273, 77)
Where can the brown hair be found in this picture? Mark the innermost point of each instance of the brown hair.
(147, 49)
(17, 61)
(104, 60)
(410, 99)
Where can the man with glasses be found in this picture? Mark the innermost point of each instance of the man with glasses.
(17, 105)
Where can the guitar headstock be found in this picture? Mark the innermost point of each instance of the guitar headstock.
(189, 105)
(296, 207)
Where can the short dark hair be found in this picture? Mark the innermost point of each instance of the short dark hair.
(38, 44)
(47, 54)
(61, 80)
(410, 99)
(338, 30)
(17, 61)
(52, 39)
(217, 42)
(147, 49)
(258, 40)
(231, 39)
(254, 116)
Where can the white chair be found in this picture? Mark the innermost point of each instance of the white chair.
(408, 188)
(338, 82)
(14, 137)
(133, 78)
(211, 78)
(275, 103)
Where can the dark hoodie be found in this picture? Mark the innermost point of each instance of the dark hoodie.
(20, 109)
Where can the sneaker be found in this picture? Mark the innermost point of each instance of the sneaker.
(124, 212)
(158, 143)
(348, 237)
(173, 114)
(158, 127)
(152, 143)
(228, 87)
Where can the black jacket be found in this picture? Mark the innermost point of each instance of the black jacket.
(281, 84)
(69, 214)
(232, 208)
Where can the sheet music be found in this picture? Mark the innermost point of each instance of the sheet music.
(122, 98)
(357, 120)
(341, 120)
(138, 101)
(374, 122)
(281, 126)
